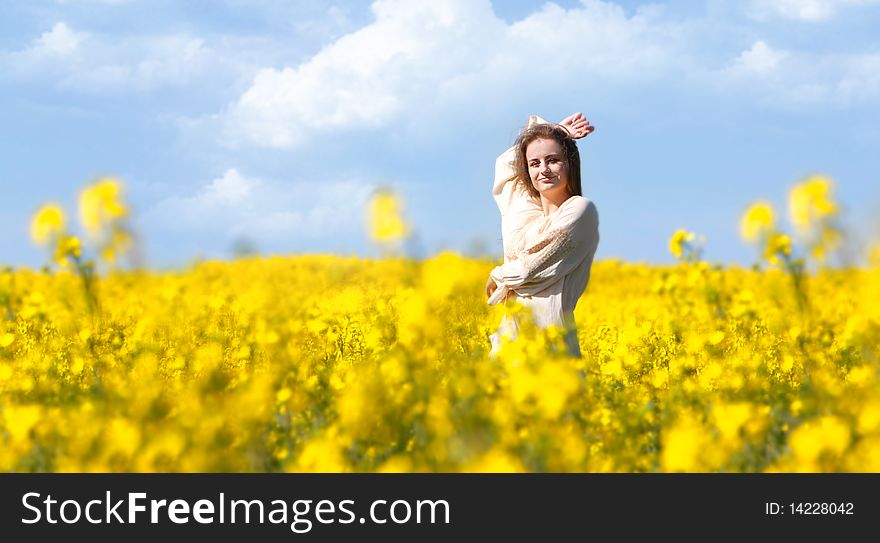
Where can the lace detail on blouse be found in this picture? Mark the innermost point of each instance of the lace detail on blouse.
(553, 247)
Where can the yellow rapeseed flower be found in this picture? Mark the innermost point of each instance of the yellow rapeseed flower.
(495, 461)
(869, 417)
(827, 240)
(48, 222)
(777, 245)
(678, 241)
(827, 434)
(19, 420)
(321, 454)
(100, 203)
(683, 444)
(119, 242)
(68, 246)
(730, 417)
(122, 436)
(758, 221)
(556, 385)
(811, 201)
(385, 218)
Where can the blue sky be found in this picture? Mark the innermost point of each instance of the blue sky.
(273, 121)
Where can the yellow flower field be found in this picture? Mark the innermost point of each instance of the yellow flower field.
(322, 363)
(326, 363)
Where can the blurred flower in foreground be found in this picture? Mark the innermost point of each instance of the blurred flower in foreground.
(758, 226)
(47, 224)
(810, 201)
(684, 445)
(48, 227)
(386, 222)
(678, 240)
(778, 245)
(102, 213)
(682, 246)
(68, 247)
(813, 212)
(100, 204)
(103, 217)
(758, 221)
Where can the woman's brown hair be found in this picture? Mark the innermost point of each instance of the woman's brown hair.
(569, 149)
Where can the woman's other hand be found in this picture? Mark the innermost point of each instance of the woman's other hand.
(490, 287)
(577, 125)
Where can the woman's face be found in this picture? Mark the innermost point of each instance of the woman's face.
(548, 169)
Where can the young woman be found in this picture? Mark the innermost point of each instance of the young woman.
(549, 230)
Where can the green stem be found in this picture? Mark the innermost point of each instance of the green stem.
(85, 270)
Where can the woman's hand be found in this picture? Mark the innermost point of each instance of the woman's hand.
(490, 287)
(577, 125)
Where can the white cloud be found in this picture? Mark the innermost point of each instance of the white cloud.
(364, 78)
(60, 41)
(230, 189)
(420, 53)
(426, 62)
(235, 206)
(148, 63)
(761, 60)
(101, 63)
(861, 78)
(791, 79)
(61, 48)
(802, 10)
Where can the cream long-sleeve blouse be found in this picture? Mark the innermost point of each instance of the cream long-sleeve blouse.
(547, 259)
